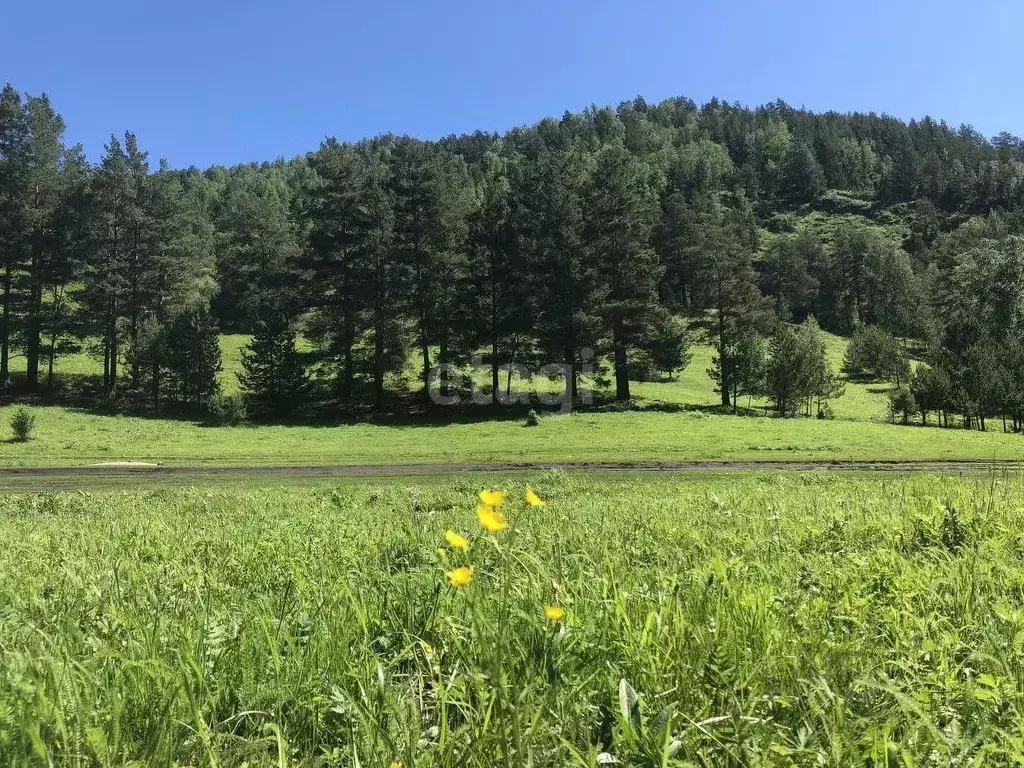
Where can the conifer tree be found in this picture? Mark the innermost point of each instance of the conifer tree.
(731, 302)
(619, 209)
(334, 212)
(565, 281)
(44, 154)
(432, 199)
(502, 302)
(14, 134)
(273, 374)
(382, 291)
(193, 361)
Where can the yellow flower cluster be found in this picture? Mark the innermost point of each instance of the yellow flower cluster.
(493, 520)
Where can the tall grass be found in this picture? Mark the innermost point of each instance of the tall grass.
(798, 620)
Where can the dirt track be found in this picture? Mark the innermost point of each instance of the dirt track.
(54, 478)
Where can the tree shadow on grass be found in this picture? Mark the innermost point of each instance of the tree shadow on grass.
(85, 394)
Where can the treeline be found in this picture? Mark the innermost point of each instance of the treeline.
(628, 232)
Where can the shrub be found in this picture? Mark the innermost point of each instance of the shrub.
(23, 423)
(532, 419)
(642, 366)
(902, 404)
(875, 353)
(226, 410)
(667, 349)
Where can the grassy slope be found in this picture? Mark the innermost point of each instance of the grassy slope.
(802, 620)
(231, 346)
(67, 437)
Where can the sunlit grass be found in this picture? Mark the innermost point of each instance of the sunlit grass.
(784, 620)
(69, 437)
(859, 431)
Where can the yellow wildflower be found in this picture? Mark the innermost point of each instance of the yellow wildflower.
(533, 499)
(455, 540)
(492, 498)
(460, 577)
(396, 764)
(490, 518)
(553, 612)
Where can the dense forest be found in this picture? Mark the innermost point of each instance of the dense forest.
(632, 232)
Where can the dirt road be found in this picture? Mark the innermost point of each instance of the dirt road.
(59, 478)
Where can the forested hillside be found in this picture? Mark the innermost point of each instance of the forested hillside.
(629, 234)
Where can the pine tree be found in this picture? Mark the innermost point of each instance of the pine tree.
(787, 274)
(749, 364)
(115, 215)
(731, 302)
(668, 342)
(193, 361)
(502, 302)
(784, 383)
(334, 212)
(258, 247)
(803, 180)
(361, 317)
(62, 273)
(619, 210)
(44, 153)
(550, 224)
(139, 268)
(178, 271)
(14, 132)
(382, 291)
(818, 382)
(273, 374)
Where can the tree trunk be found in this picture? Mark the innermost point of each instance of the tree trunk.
(112, 343)
(569, 362)
(508, 379)
(106, 364)
(346, 354)
(5, 326)
(425, 351)
(379, 320)
(33, 329)
(722, 362)
(495, 384)
(442, 358)
(346, 375)
(156, 380)
(494, 331)
(621, 360)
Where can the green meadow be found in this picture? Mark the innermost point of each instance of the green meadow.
(756, 620)
(674, 421)
(71, 438)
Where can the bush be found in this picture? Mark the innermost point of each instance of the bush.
(875, 353)
(642, 366)
(23, 423)
(226, 410)
(902, 404)
(532, 419)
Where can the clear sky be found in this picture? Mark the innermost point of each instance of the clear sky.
(225, 81)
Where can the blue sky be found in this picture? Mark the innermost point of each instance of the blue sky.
(224, 81)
